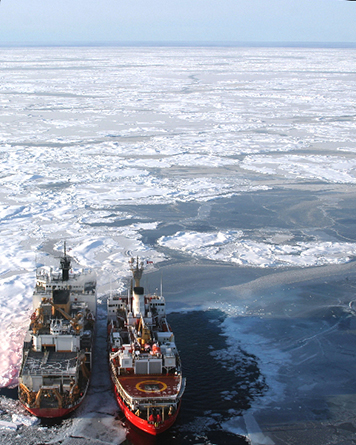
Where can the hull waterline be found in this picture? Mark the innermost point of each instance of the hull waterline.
(51, 413)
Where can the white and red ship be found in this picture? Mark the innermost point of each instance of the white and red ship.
(57, 353)
(144, 361)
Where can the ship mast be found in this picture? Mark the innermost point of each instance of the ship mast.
(65, 264)
(137, 270)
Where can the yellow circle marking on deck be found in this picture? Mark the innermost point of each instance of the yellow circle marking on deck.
(151, 382)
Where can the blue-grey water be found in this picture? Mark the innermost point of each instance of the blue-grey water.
(233, 170)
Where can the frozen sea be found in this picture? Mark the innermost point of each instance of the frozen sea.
(234, 171)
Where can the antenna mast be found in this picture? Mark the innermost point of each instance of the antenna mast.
(137, 270)
(65, 264)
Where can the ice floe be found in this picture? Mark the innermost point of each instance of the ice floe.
(234, 247)
(334, 169)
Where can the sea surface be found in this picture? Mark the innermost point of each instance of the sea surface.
(233, 171)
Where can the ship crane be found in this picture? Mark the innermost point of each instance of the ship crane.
(37, 320)
(145, 332)
(74, 321)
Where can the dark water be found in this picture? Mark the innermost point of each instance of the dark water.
(10, 393)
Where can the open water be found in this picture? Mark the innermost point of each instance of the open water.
(233, 170)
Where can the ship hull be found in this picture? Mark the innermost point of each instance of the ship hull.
(55, 412)
(51, 413)
(142, 424)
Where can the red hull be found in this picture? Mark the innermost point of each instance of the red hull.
(50, 413)
(143, 424)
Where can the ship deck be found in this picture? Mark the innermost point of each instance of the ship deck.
(151, 386)
(50, 363)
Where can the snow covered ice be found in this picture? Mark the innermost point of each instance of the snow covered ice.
(233, 170)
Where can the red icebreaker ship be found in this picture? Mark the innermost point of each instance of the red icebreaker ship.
(144, 361)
